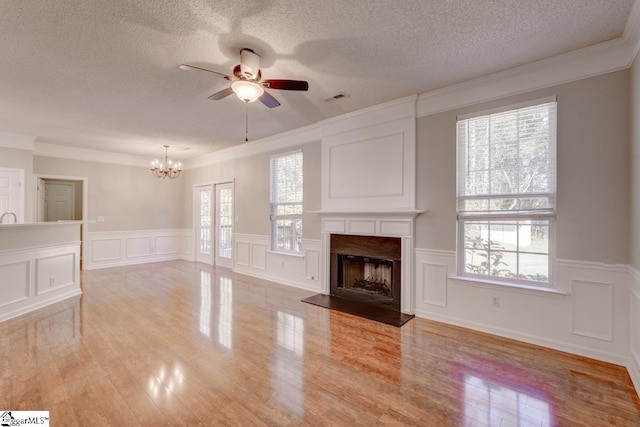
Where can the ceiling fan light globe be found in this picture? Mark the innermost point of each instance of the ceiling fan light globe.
(247, 91)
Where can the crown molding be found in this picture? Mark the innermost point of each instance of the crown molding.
(393, 110)
(591, 61)
(88, 155)
(17, 141)
(272, 143)
(632, 31)
(389, 111)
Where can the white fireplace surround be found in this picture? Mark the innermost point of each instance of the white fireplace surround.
(379, 200)
(384, 224)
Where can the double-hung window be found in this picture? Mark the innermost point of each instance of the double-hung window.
(506, 193)
(286, 202)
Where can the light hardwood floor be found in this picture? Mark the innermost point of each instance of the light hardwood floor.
(180, 343)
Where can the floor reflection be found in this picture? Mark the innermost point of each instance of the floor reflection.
(290, 332)
(492, 404)
(166, 381)
(286, 370)
(205, 303)
(225, 313)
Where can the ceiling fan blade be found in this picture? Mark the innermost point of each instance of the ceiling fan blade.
(286, 84)
(188, 67)
(221, 94)
(267, 99)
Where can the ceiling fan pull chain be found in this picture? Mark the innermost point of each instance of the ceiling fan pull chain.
(246, 121)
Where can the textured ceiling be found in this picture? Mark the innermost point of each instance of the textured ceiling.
(104, 74)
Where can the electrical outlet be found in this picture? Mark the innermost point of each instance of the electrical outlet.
(495, 302)
(52, 281)
(100, 219)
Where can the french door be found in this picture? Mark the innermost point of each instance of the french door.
(224, 225)
(214, 224)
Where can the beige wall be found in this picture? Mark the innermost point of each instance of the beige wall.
(14, 158)
(128, 197)
(635, 165)
(593, 170)
(251, 185)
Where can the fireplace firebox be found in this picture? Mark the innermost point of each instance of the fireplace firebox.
(366, 269)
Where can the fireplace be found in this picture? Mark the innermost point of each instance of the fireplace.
(366, 269)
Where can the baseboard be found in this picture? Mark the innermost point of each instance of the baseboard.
(530, 339)
(633, 364)
(124, 263)
(633, 367)
(277, 280)
(40, 304)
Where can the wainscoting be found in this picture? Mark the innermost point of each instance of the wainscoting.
(253, 258)
(118, 248)
(35, 277)
(588, 315)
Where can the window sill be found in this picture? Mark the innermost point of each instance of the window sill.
(292, 254)
(514, 287)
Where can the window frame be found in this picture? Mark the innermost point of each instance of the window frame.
(548, 214)
(273, 205)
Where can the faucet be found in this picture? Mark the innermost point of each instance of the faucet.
(15, 218)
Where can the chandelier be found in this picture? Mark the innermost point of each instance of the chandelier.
(168, 169)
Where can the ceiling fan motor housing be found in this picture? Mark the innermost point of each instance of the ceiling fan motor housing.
(249, 63)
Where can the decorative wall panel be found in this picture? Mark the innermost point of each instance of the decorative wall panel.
(105, 250)
(434, 284)
(379, 165)
(138, 247)
(14, 285)
(258, 256)
(242, 253)
(592, 309)
(55, 272)
(167, 245)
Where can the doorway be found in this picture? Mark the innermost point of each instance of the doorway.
(59, 199)
(63, 198)
(214, 224)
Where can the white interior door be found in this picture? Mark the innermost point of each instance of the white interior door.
(224, 225)
(12, 194)
(60, 203)
(204, 223)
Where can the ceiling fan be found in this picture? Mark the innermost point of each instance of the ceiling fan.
(247, 82)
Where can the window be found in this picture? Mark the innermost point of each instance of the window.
(506, 193)
(286, 202)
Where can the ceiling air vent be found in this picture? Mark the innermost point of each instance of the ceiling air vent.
(339, 95)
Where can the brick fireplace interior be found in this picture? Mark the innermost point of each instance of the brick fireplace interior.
(366, 269)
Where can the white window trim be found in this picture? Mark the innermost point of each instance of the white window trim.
(461, 274)
(506, 281)
(273, 218)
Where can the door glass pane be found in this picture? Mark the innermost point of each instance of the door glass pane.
(205, 222)
(225, 221)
